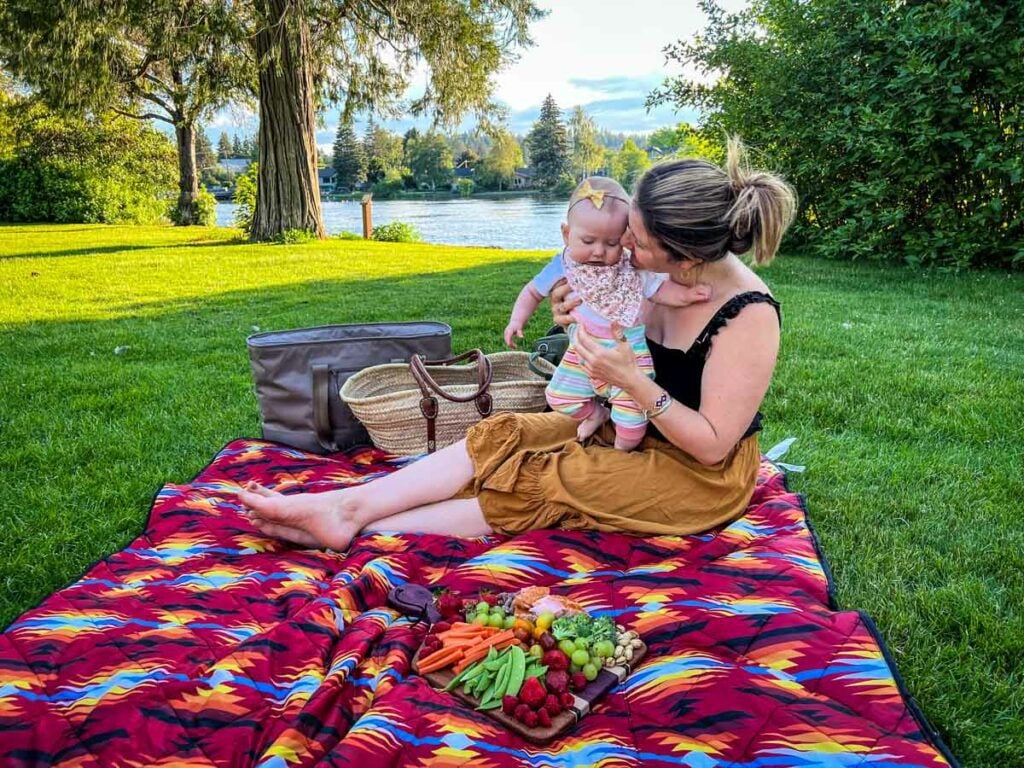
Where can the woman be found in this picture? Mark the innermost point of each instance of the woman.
(696, 468)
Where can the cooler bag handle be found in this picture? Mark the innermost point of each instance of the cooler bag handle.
(321, 407)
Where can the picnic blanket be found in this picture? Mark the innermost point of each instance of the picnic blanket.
(206, 644)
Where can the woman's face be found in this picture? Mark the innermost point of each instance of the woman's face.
(647, 253)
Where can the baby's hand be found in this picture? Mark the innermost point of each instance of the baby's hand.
(699, 292)
(513, 330)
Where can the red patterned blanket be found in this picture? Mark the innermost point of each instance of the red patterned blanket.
(205, 644)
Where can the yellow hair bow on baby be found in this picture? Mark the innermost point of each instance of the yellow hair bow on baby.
(587, 192)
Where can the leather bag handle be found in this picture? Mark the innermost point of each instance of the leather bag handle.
(321, 410)
(428, 387)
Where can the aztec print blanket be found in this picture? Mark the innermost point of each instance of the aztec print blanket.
(205, 644)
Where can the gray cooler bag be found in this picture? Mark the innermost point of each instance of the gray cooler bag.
(299, 373)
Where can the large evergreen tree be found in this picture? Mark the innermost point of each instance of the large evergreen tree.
(349, 160)
(224, 146)
(549, 145)
(163, 60)
(365, 52)
(206, 156)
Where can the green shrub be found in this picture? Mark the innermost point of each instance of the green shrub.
(64, 169)
(465, 187)
(294, 237)
(901, 125)
(206, 209)
(348, 236)
(396, 232)
(245, 198)
(392, 183)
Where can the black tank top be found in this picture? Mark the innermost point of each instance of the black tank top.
(679, 372)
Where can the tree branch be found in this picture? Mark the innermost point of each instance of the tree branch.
(144, 116)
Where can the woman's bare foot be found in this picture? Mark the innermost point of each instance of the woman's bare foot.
(592, 423)
(310, 519)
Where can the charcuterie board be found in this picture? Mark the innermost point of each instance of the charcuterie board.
(535, 662)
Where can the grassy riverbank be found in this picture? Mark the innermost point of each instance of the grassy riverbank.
(124, 367)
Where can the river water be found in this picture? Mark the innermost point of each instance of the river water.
(513, 222)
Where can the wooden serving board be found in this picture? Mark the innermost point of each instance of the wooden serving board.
(585, 700)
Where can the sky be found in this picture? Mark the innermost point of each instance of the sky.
(604, 56)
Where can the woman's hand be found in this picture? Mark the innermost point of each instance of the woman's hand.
(562, 303)
(615, 365)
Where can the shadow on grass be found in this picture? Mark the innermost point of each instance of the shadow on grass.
(101, 249)
(475, 299)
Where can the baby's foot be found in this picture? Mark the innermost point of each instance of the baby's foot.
(627, 443)
(591, 424)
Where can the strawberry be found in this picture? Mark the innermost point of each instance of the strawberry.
(543, 718)
(449, 604)
(532, 693)
(509, 704)
(441, 626)
(579, 682)
(530, 719)
(567, 699)
(490, 598)
(520, 713)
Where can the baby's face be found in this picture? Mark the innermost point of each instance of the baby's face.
(594, 236)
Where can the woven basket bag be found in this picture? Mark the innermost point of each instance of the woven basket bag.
(418, 407)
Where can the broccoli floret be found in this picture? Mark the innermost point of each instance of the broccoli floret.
(603, 629)
(576, 626)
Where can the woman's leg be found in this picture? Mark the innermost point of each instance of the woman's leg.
(455, 517)
(333, 518)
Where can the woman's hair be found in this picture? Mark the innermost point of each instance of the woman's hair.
(700, 211)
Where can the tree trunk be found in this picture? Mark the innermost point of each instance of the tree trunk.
(287, 193)
(188, 180)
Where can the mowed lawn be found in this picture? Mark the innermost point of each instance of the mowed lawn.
(905, 391)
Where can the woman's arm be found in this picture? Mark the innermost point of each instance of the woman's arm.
(736, 377)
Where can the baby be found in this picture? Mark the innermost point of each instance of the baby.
(612, 292)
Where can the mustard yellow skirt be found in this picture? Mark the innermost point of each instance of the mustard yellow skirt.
(530, 472)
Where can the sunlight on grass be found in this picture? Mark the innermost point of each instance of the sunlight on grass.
(904, 390)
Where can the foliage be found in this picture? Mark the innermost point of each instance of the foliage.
(430, 159)
(900, 124)
(586, 154)
(206, 155)
(205, 210)
(549, 145)
(295, 237)
(383, 151)
(349, 160)
(465, 186)
(396, 232)
(346, 235)
(148, 59)
(394, 182)
(245, 198)
(683, 140)
(627, 164)
(71, 169)
(499, 164)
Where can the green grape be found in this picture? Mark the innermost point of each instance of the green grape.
(496, 621)
(574, 668)
(536, 650)
(480, 620)
(580, 657)
(567, 647)
(589, 671)
(509, 622)
(603, 649)
(482, 607)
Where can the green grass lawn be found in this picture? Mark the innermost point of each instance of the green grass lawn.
(906, 392)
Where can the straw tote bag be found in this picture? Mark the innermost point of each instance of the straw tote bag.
(428, 404)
